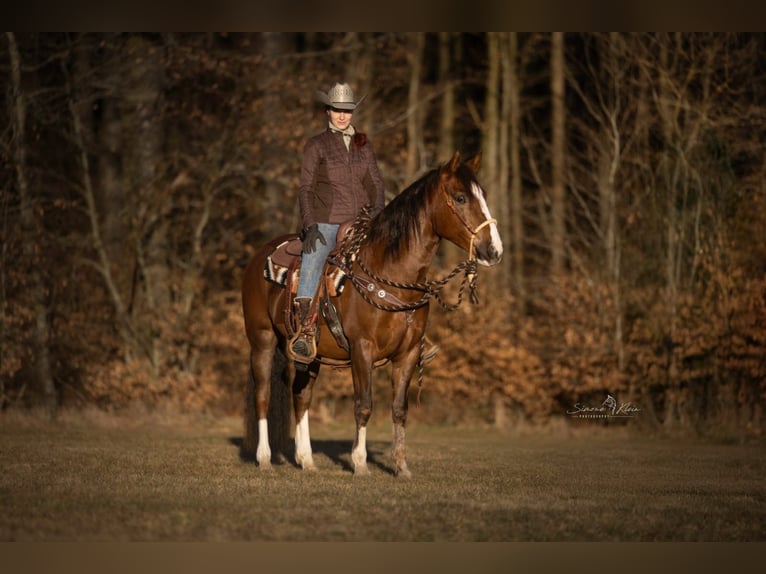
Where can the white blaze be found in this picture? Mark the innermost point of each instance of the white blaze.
(494, 234)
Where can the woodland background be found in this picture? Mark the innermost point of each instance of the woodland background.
(140, 171)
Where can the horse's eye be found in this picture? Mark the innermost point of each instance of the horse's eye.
(460, 199)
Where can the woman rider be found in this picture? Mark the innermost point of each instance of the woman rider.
(339, 176)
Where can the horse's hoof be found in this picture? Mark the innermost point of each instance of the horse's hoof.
(309, 467)
(403, 473)
(265, 466)
(362, 471)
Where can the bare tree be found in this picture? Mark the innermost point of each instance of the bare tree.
(496, 138)
(680, 69)
(360, 71)
(414, 106)
(513, 99)
(606, 90)
(134, 344)
(558, 145)
(447, 83)
(39, 331)
(490, 123)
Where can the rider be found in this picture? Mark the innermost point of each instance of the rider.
(339, 177)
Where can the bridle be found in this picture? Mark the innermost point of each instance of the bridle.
(473, 231)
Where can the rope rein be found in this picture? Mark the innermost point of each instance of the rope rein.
(430, 289)
(349, 249)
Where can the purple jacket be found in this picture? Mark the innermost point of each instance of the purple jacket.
(337, 183)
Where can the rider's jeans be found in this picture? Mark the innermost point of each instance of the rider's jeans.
(313, 263)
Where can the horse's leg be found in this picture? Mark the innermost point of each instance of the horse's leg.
(400, 380)
(261, 359)
(303, 384)
(361, 369)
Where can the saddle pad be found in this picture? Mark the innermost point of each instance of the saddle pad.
(334, 279)
(281, 259)
(275, 273)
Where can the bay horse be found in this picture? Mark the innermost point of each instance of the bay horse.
(384, 310)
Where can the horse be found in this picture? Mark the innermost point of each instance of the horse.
(382, 311)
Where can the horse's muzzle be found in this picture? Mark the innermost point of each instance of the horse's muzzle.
(489, 255)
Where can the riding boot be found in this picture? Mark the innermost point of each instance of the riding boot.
(429, 351)
(303, 345)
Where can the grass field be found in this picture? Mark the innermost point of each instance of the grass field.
(148, 479)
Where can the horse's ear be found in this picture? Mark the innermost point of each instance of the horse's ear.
(474, 162)
(454, 162)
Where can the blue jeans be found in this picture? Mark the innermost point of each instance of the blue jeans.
(313, 263)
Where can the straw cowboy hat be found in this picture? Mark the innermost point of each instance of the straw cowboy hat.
(340, 96)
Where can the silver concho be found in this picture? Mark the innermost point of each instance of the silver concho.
(382, 294)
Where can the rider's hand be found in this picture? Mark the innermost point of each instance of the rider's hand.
(310, 235)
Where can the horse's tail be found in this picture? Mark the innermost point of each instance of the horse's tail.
(280, 405)
(250, 442)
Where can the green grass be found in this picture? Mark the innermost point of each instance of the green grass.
(104, 479)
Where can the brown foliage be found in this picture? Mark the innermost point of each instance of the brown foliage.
(204, 369)
(485, 352)
(709, 349)
(539, 363)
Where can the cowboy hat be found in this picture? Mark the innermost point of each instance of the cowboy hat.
(340, 97)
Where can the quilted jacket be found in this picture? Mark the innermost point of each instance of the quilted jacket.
(335, 182)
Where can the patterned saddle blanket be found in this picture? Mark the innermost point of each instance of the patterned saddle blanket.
(283, 268)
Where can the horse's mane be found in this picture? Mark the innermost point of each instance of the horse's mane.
(399, 222)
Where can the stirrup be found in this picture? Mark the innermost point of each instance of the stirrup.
(302, 347)
(300, 350)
